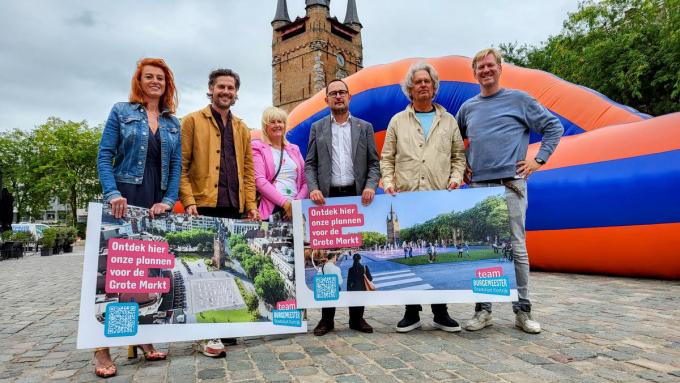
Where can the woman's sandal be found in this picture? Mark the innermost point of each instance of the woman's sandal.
(106, 371)
(148, 355)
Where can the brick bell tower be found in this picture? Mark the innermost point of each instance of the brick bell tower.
(312, 50)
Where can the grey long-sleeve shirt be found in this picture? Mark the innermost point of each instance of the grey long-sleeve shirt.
(497, 128)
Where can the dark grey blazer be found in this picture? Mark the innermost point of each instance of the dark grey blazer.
(318, 163)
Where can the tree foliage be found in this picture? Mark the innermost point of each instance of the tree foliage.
(629, 50)
(270, 286)
(65, 161)
(372, 238)
(18, 164)
(192, 238)
(236, 239)
(255, 264)
(242, 252)
(488, 218)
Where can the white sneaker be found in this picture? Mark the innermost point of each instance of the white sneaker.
(481, 319)
(211, 347)
(526, 322)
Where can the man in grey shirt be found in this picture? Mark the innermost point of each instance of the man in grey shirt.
(497, 123)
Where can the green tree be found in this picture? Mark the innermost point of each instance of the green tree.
(236, 239)
(372, 238)
(242, 251)
(270, 286)
(255, 264)
(17, 161)
(252, 303)
(628, 50)
(66, 161)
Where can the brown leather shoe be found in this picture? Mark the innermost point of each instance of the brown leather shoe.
(362, 326)
(322, 328)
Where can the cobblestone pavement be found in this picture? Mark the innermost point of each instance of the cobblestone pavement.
(595, 329)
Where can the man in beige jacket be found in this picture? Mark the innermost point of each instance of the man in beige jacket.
(423, 150)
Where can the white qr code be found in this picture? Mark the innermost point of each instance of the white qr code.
(326, 287)
(121, 319)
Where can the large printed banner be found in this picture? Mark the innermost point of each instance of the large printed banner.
(417, 247)
(177, 278)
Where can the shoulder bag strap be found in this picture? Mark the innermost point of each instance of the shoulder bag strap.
(280, 163)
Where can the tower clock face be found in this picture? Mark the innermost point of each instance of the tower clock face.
(341, 59)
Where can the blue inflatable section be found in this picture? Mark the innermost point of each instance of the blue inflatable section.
(378, 105)
(601, 194)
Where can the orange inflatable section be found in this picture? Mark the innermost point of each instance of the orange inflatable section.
(640, 250)
(620, 141)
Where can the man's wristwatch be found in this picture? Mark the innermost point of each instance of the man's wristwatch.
(539, 161)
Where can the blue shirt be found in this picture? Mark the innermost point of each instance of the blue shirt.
(426, 122)
(123, 151)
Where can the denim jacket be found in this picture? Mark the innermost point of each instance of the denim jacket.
(122, 151)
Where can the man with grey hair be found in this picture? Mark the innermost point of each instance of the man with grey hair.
(497, 123)
(423, 150)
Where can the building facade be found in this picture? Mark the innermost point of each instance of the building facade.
(392, 227)
(312, 50)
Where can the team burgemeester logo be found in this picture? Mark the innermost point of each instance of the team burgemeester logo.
(490, 281)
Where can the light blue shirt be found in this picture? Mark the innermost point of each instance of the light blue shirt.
(426, 122)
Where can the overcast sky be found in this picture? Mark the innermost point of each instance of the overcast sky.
(74, 59)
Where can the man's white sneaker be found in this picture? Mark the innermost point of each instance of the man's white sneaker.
(211, 347)
(481, 319)
(526, 322)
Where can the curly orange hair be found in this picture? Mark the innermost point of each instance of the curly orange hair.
(169, 99)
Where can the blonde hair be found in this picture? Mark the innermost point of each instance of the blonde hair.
(485, 52)
(407, 85)
(268, 116)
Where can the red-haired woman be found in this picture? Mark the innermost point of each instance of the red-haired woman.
(140, 160)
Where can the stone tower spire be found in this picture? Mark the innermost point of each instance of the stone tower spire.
(281, 12)
(352, 16)
(325, 3)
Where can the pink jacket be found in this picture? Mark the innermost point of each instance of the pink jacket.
(264, 172)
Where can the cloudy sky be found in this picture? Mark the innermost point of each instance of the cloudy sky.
(74, 59)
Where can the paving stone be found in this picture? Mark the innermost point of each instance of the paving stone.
(276, 377)
(291, 356)
(390, 363)
(304, 371)
(364, 346)
(534, 359)
(381, 378)
(561, 369)
(657, 377)
(349, 379)
(336, 369)
(211, 373)
(652, 365)
(239, 365)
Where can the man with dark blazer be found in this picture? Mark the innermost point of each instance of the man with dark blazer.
(341, 161)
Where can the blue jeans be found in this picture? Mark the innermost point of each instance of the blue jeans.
(517, 209)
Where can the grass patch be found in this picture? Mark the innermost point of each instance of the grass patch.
(474, 255)
(224, 316)
(192, 257)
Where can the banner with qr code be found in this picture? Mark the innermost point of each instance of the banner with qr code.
(179, 278)
(415, 247)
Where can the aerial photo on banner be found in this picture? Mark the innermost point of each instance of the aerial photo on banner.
(414, 247)
(178, 277)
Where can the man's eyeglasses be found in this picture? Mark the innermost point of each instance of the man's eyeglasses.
(335, 93)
